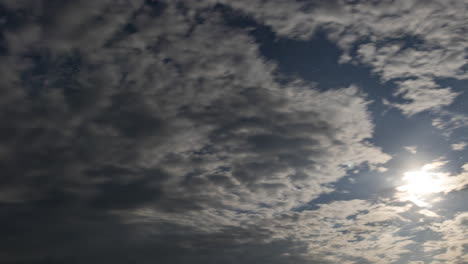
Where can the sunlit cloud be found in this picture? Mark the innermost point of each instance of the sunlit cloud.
(411, 149)
(458, 146)
(428, 213)
(420, 185)
(452, 247)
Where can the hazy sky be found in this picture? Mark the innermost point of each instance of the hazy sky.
(242, 131)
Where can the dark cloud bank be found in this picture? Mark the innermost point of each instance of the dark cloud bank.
(155, 132)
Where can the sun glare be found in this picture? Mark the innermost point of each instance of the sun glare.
(421, 183)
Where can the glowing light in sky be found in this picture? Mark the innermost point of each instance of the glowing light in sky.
(421, 183)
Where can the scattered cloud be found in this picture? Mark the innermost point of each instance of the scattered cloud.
(115, 117)
(428, 213)
(411, 149)
(410, 42)
(359, 228)
(452, 247)
(449, 122)
(151, 130)
(458, 146)
(422, 95)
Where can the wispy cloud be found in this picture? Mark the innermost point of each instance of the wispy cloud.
(452, 247)
(458, 146)
(411, 149)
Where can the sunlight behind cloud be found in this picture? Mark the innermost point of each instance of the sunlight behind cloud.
(421, 186)
(423, 182)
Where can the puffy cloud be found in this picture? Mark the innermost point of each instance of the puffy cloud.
(361, 230)
(422, 95)
(412, 42)
(152, 130)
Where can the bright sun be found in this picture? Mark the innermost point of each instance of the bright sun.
(421, 183)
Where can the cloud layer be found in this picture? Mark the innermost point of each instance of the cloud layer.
(143, 131)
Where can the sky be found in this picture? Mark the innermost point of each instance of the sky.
(247, 131)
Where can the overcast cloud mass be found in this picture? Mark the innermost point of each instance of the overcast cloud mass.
(248, 131)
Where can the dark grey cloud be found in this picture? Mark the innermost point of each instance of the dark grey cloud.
(46, 233)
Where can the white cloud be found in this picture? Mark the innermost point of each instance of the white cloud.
(403, 39)
(453, 242)
(423, 95)
(411, 149)
(428, 213)
(458, 146)
(448, 122)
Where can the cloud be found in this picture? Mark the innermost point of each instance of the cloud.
(360, 229)
(411, 149)
(449, 122)
(152, 130)
(364, 231)
(428, 213)
(458, 146)
(452, 247)
(423, 95)
(411, 42)
(155, 131)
